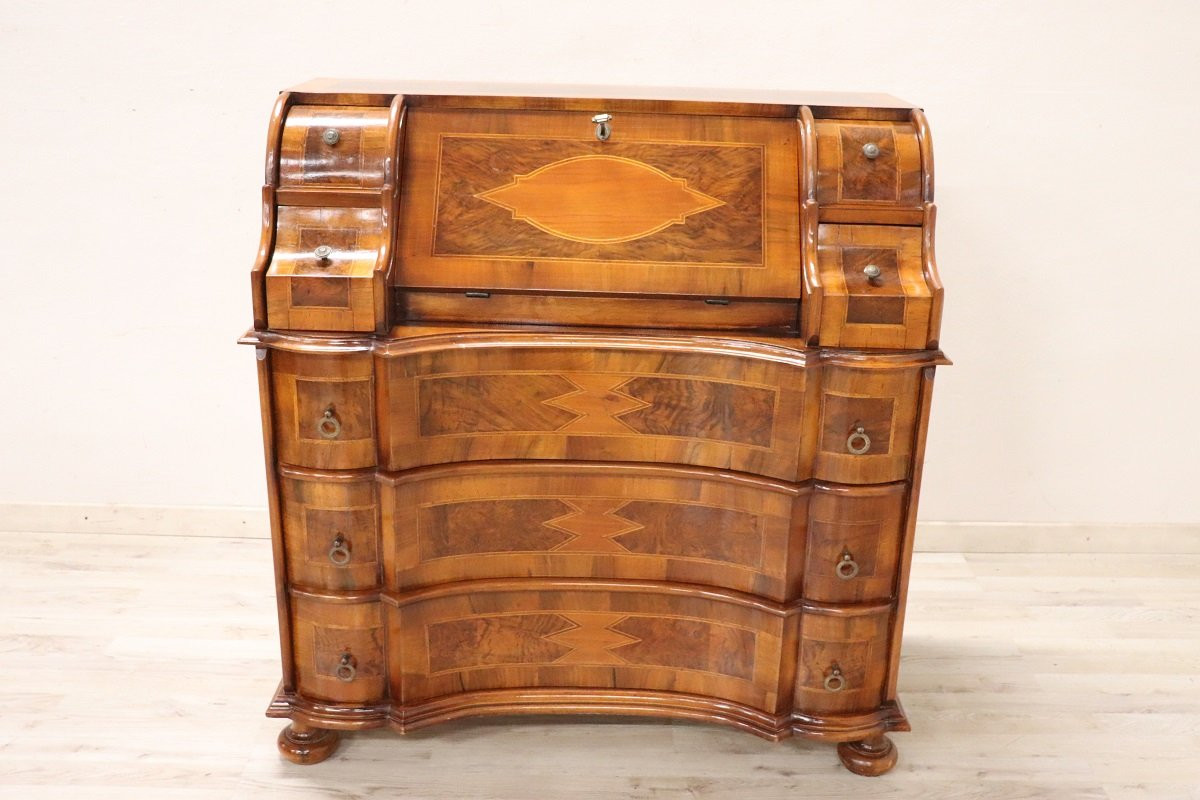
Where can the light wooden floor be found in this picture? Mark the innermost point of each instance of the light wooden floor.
(136, 666)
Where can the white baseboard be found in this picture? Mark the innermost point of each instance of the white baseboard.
(932, 537)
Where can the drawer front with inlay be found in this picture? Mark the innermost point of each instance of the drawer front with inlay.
(866, 424)
(601, 402)
(853, 542)
(665, 204)
(866, 165)
(324, 409)
(330, 529)
(605, 521)
(875, 290)
(339, 649)
(843, 660)
(630, 637)
(338, 147)
(321, 276)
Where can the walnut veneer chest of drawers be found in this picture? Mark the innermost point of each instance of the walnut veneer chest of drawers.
(594, 401)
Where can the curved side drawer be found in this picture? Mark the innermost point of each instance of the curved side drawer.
(868, 165)
(866, 426)
(563, 519)
(635, 637)
(330, 530)
(339, 649)
(853, 542)
(843, 660)
(340, 147)
(324, 409)
(594, 402)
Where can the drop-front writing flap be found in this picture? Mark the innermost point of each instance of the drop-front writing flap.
(570, 201)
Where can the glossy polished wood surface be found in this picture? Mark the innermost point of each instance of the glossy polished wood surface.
(560, 420)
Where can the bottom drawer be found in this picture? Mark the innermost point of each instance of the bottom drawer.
(502, 636)
(339, 649)
(843, 659)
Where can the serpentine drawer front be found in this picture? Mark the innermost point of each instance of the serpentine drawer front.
(602, 403)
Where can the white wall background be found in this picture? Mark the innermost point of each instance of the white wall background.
(1067, 139)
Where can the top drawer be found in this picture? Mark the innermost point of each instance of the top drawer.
(864, 165)
(338, 147)
(666, 205)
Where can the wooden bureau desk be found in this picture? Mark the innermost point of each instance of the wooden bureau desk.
(595, 402)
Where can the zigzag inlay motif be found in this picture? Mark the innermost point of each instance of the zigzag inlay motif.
(593, 524)
(598, 401)
(592, 638)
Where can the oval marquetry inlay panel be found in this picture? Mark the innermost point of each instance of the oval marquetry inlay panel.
(600, 199)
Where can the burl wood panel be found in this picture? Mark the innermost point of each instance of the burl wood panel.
(608, 312)
(863, 523)
(533, 200)
(893, 310)
(600, 636)
(305, 292)
(852, 641)
(847, 177)
(324, 632)
(610, 521)
(304, 387)
(601, 403)
(883, 402)
(324, 511)
(354, 160)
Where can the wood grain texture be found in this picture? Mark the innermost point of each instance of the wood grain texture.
(354, 160)
(890, 311)
(562, 519)
(599, 403)
(541, 434)
(849, 179)
(668, 205)
(487, 638)
(322, 512)
(304, 388)
(305, 292)
(714, 313)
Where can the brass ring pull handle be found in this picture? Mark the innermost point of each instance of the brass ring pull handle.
(339, 552)
(345, 671)
(871, 150)
(872, 272)
(328, 426)
(603, 128)
(835, 681)
(323, 252)
(847, 568)
(331, 136)
(858, 442)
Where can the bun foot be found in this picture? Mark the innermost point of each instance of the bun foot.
(302, 744)
(870, 757)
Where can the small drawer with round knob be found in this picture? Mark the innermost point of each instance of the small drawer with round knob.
(842, 667)
(338, 648)
(335, 147)
(852, 545)
(878, 287)
(330, 529)
(869, 171)
(322, 273)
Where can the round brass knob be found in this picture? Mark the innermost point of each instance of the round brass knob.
(847, 568)
(835, 681)
(339, 552)
(871, 150)
(858, 442)
(345, 671)
(872, 272)
(331, 136)
(323, 252)
(328, 426)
